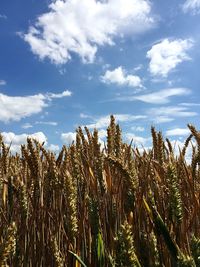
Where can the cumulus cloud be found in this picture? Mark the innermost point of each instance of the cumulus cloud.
(104, 121)
(2, 82)
(14, 108)
(136, 140)
(102, 133)
(137, 128)
(68, 138)
(192, 6)
(167, 114)
(73, 26)
(162, 119)
(2, 16)
(84, 116)
(166, 55)
(119, 77)
(160, 97)
(27, 125)
(163, 96)
(178, 132)
(175, 111)
(53, 148)
(18, 107)
(50, 123)
(190, 104)
(61, 95)
(17, 140)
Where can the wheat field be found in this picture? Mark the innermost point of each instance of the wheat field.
(100, 206)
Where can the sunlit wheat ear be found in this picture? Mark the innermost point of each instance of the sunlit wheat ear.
(60, 156)
(46, 154)
(161, 151)
(54, 171)
(98, 162)
(118, 142)
(195, 248)
(155, 142)
(5, 158)
(128, 181)
(90, 144)
(8, 246)
(56, 253)
(23, 201)
(176, 204)
(76, 171)
(187, 141)
(111, 132)
(154, 252)
(78, 142)
(170, 147)
(185, 261)
(110, 142)
(125, 251)
(70, 193)
(89, 136)
(34, 158)
(195, 133)
(85, 142)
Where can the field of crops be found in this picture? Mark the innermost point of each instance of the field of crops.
(95, 207)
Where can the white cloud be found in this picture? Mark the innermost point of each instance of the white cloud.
(14, 108)
(178, 132)
(160, 97)
(102, 133)
(51, 123)
(137, 140)
(137, 128)
(53, 148)
(104, 121)
(2, 16)
(174, 111)
(189, 104)
(18, 107)
(18, 140)
(27, 125)
(84, 116)
(192, 6)
(163, 119)
(61, 95)
(68, 138)
(139, 67)
(167, 114)
(163, 96)
(73, 26)
(119, 76)
(166, 55)
(2, 82)
(62, 71)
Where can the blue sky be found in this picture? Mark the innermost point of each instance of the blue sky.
(65, 63)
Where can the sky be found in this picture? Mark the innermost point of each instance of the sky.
(69, 63)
